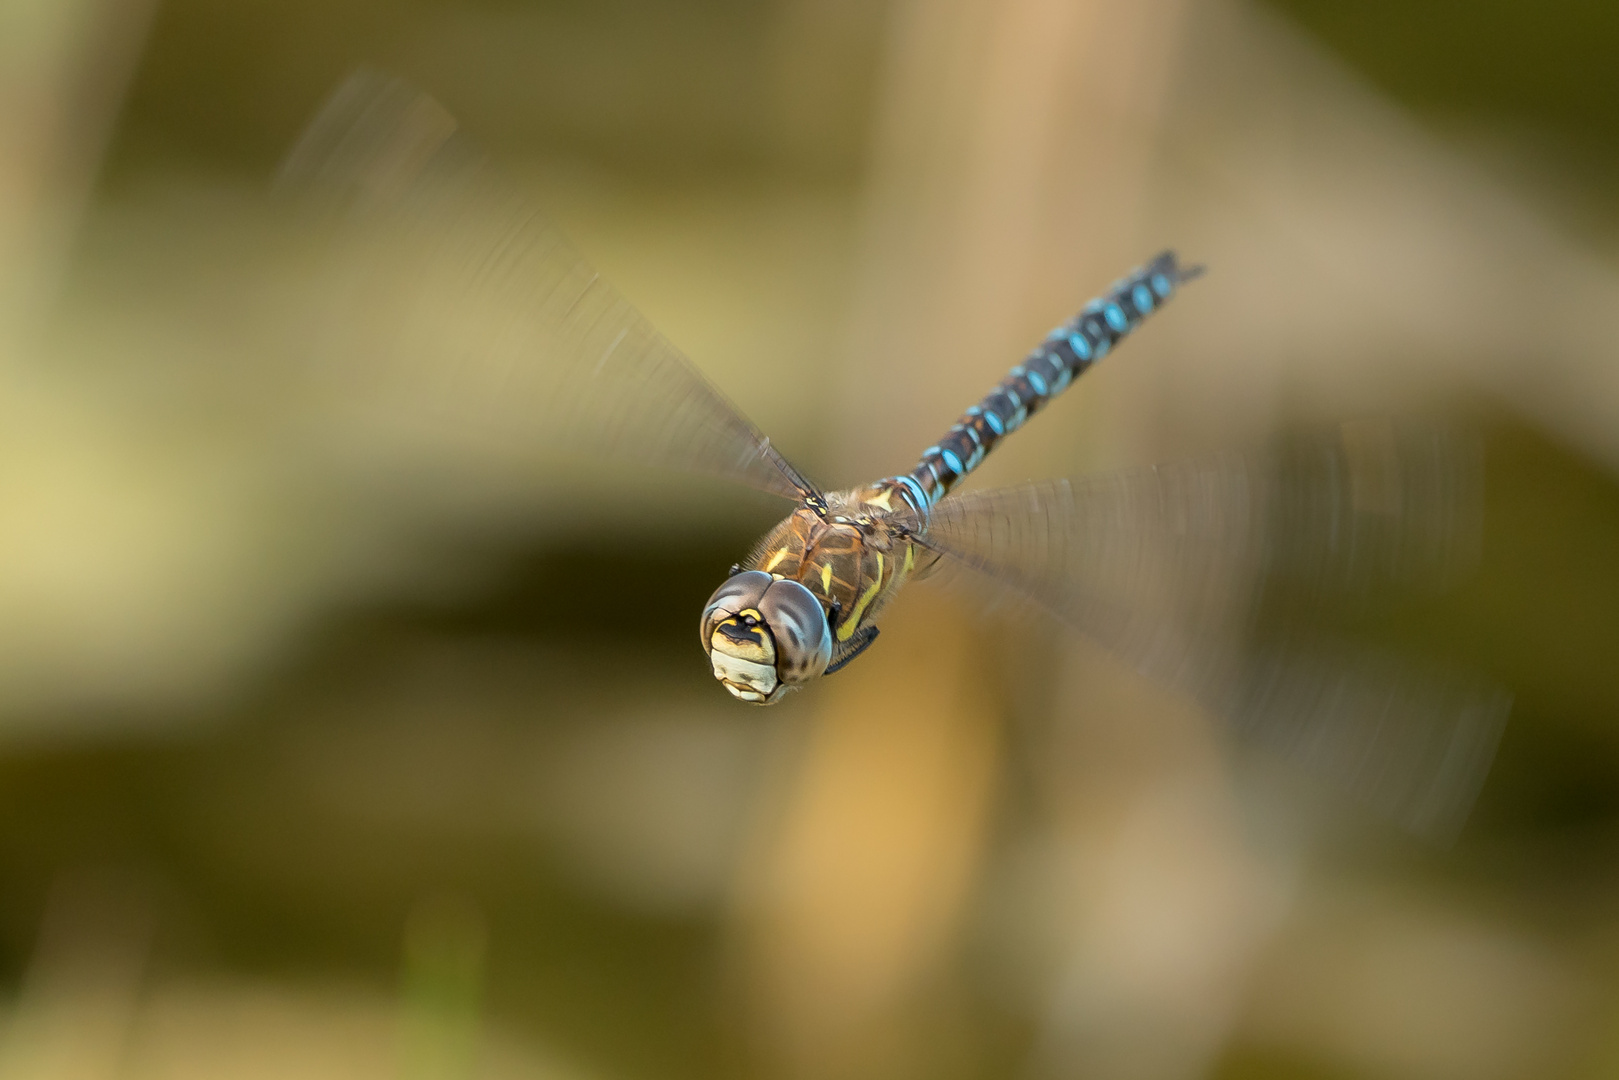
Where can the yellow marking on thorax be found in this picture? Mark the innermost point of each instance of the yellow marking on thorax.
(883, 499)
(775, 560)
(910, 557)
(848, 628)
(826, 578)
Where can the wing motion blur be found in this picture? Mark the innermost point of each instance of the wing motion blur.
(1206, 576)
(445, 275)
(452, 301)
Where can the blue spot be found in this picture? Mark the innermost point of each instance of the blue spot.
(1081, 345)
(930, 450)
(1092, 308)
(1116, 318)
(1017, 419)
(1143, 299)
(1162, 286)
(953, 461)
(918, 496)
(994, 423)
(1037, 382)
(1012, 396)
(1102, 347)
(1064, 377)
(971, 430)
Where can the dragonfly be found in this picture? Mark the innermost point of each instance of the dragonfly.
(807, 600)
(446, 268)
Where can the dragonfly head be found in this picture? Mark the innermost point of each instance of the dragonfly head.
(765, 636)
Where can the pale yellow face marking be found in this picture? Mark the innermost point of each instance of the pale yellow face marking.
(745, 679)
(826, 578)
(775, 560)
(848, 628)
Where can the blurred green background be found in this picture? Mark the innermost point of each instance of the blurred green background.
(317, 758)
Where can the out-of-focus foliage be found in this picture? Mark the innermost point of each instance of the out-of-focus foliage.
(329, 753)
(1540, 70)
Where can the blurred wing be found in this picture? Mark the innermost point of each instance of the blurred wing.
(447, 283)
(1171, 568)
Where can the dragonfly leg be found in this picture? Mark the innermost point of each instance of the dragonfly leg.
(859, 644)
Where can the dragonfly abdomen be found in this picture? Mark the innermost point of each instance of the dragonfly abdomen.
(1047, 371)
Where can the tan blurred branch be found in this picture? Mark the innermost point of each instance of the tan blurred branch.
(860, 895)
(64, 65)
(77, 1009)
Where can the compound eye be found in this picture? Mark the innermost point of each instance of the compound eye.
(740, 593)
(797, 623)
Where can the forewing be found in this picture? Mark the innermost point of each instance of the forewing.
(439, 274)
(1207, 576)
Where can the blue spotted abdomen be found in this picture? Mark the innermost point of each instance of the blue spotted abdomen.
(1045, 373)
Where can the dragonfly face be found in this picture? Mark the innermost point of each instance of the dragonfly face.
(765, 636)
